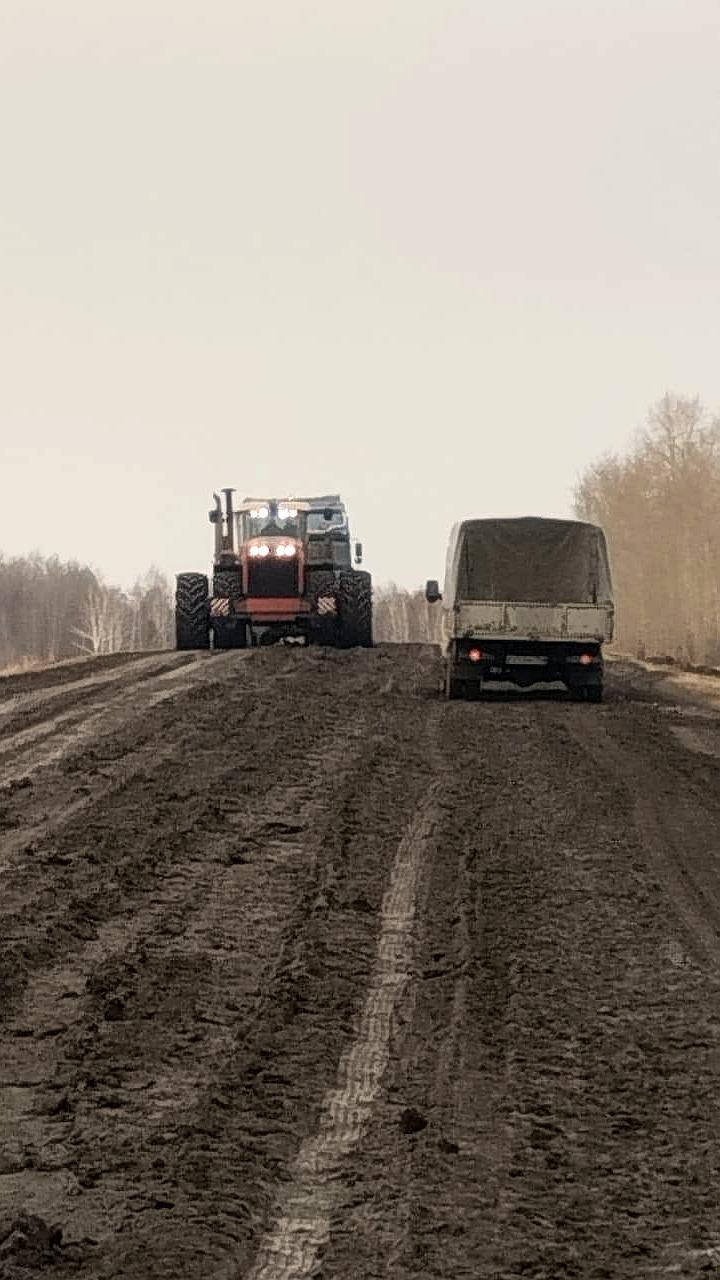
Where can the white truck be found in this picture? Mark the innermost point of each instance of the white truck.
(525, 600)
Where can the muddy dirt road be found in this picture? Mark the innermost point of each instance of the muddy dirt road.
(305, 972)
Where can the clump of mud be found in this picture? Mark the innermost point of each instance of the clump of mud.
(29, 1244)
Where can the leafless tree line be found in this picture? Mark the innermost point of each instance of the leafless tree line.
(51, 610)
(401, 616)
(660, 508)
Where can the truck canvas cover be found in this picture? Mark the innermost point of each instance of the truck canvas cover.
(528, 559)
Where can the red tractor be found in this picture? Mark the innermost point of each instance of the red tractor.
(282, 572)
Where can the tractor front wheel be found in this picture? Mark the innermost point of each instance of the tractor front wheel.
(192, 611)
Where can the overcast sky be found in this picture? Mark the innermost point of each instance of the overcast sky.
(436, 255)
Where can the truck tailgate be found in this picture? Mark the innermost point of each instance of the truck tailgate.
(527, 621)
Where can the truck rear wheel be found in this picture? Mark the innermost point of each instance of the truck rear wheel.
(192, 609)
(354, 597)
(453, 687)
(587, 692)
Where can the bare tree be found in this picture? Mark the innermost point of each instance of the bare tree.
(50, 610)
(104, 625)
(660, 507)
(402, 616)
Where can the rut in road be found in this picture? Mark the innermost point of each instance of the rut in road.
(215, 909)
(550, 1102)
(31, 786)
(25, 750)
(307, 1210)
(328, 977)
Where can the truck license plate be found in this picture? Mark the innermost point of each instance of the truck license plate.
(525, 660)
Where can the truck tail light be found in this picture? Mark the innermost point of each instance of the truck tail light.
(476, 655)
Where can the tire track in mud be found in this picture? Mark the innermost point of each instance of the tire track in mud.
(353, 983)
(198, 1084)
(66, 671)
(42, 745)
(66, 857)
(549, 1106)
(54, 789)
(31, 704)
(436, 1148)
(199, 911)
(302, 1228)
(267, 1094)
(676, 815)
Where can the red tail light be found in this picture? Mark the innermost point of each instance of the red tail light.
(587, 658)
(476, 655)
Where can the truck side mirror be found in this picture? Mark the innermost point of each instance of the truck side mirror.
(432, 591)
(214, 515)
(358, 553)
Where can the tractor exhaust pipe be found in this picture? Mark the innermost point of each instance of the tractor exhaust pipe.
(229, 520)
(216, 519)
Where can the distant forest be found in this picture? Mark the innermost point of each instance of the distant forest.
(660, 508)
(659, 505)
(50, 610)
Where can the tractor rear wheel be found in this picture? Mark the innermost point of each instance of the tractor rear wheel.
(322, 594)
(229, 633)
(354, 597)
(192, 607)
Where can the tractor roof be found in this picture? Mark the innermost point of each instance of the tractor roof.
(248, 504)
(302, 504)
(328, 500)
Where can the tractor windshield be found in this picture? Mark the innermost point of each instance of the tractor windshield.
(273, 518)
(324, 521)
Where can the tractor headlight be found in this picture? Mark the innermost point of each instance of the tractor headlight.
(260, 549)
(287, 513)
(285, 549)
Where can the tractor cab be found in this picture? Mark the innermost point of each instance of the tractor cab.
(328, 534)
(271, 519)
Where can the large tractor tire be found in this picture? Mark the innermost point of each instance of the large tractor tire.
(230, 633)
(324, 624)
(227, 583)
(192, 608)
(354, 597)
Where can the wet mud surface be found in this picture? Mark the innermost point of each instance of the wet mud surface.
(305, 972)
